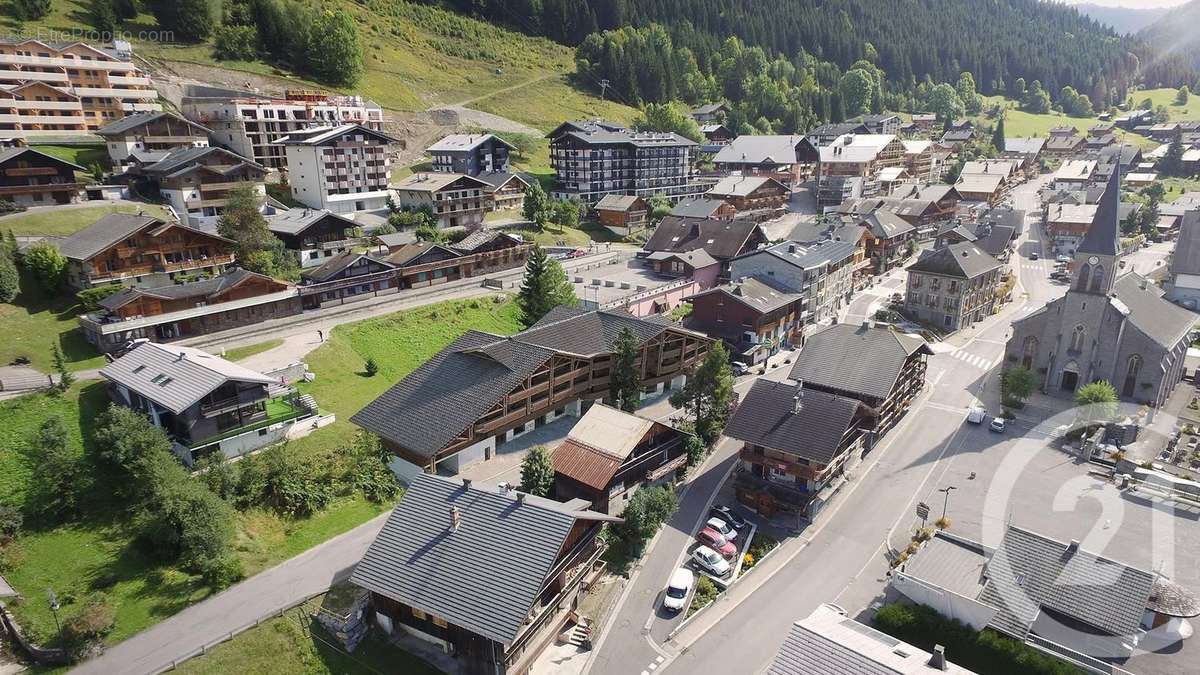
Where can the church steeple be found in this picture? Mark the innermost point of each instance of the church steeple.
(1098, 253)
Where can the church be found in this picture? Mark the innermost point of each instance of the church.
(1110, 325)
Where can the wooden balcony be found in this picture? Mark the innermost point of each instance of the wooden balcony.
(791, 468)
(32, 171)
(27, 189)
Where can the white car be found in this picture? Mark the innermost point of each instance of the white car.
(723, 527)
(678, 589)
(977, 415)
(710, 560)
(997, 425)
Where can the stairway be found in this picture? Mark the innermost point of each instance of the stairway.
(308, 403)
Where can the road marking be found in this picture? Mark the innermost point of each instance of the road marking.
(974, 359)
(658, 660)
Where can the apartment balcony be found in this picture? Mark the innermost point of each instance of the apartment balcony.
(32, 171)
(45, 105)
(243, 399)
(194, 263)
(89, 64)
(193, 204)
(781, 492)
(129, 81)
(47, 187)
(24, 76)
(101, 92)
(68, 120)
(792, 468)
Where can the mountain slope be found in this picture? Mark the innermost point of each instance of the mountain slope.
(1124, 20)
(1176, 33)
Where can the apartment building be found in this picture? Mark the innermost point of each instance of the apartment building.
(822, 273)
(456, 200)
(856, 156)
(81, 85)
(953, 287)
(593, 159)
(342, 169)
(196, 181)
(472, 154)
(150, 136)
(250, 125)
(32, 178)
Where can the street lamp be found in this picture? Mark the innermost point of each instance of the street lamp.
(946, 502)
(54, 608)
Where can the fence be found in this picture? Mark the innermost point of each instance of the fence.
(1088, 663)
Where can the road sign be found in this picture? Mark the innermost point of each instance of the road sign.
(922, 510)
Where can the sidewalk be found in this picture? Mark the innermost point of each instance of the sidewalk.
(199, 626)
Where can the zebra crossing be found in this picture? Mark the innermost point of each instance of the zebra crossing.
(974, 360)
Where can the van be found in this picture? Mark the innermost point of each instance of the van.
(977, 415)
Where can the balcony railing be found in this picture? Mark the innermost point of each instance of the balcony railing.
(783, 493)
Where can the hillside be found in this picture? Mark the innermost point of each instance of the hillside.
(1176, 33)
(1123, 20)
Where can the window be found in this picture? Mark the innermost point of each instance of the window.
(1077, 337)
(418, 614)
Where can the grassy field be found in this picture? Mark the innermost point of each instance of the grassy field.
(1166, 97)
(239, 353)
(295, 644)
(35, 321)
(547, 103)
(51, 221)
(83, 155)
(1177, 187)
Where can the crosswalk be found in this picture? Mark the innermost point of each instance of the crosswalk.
(974, 360)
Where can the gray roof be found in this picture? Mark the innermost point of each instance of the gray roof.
(183, 158)
(1186, 257)
(696, 258)
(204, 288)
(754, 149)
(1030, 571)
(856, 359)
(708, 108)
(425, 410)
(964, 260)
(612, 202)
(1104, 235)
(339, 262)
(997, 239)
(1164, 322)
(176, 377)
(950, 562)
(723, 239)
(483, 576)
(597, 132)
(131, 122)
(759, 294)
(7, 154)
(496, 179)
(478, 238)
(697, 208)
(742, 186)
(1024, 146)
(464, 142)
(104, 233)
(297, 220)
(330, 135)
(809, 256)
(767, 417)
(887, 224)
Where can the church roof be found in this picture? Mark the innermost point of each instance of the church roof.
(1103, 236)
(1162, 321)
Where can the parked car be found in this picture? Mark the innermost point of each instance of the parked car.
(723, 527)
(1034, 256)
(739, 368)
(716, 541)
(997, 425)
(707, 559)
(678, 588)
(977, 415)
(1060, 275)
(1063, 259)
(728, 515)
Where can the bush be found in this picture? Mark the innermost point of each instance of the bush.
(647, 510)
(83, 632)
(46, 265)
(369, 473)
(10, 523)
(371, 367)
(90, 298)
(236, 43)
(31, 10)
(983, 652)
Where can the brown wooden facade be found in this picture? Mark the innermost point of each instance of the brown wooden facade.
(32, 178)
(153, 256)
(149, 304)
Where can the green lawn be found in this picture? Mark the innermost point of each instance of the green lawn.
(83, 155)
(547, 103)
(295, 644)
(51, 221)
(35, 321)
(1021, 124)
(245, 352)
(1177, 187)
(1166, 97)
(553, 235)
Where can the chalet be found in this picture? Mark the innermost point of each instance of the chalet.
(1064, 146)
(1027, 151)
(855, 156)
(484, 389)
(755, 316)
(721, 239)
(423, 571)
(623, 214)
(233, 299)
(1008, 169)
(824, 273)
(717, 135)
(956, 138)
(1101, 141)
(915, 211)
(784, 158)
(314, 235)
(139, 250)
(196, 182)
(710, 112)
(347, 277)
(457, 200)
(696, 264)
(150, 136)
(471, 154)
(425, 263)
(506, 191)
(204, 403)
(756, 197)
(878, 366)
(1075, 174)
(609, 454)
(797, 445)
(704, 207)
(420, 264)
(880, 124)
(1066, 225)
(826, 134)
(893, 178)
(981, 187)
(919, 159)
(1126, 156)
(30, 177)
(889, 238)
(953, 287)
(924, 121)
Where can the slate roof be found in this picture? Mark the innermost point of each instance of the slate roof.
(997, 240)
(478, 238)
(741, 186)
(131, 122)
(958, 136)
(411, 251)
(464, 142)
(979, 183)
(611, 202)
(811, 255)
(418, 559)
(425, 410)
(696, 258)
(1029, 571)
(328, 135)
(830, 643)
(886, 224)
(708, 109)
(433, 182)
(1163, 321)
(723, 239)
(331, 267)
(498, 179)
(767, 417)
(1186, 257)
(964, 260)
(859, 360)
(759, 149)
(1024, 146)
(696, 208)
(176, 377)
(599, 132)
(184, 158)
(297, 220)
(756, 293)
(205, 288)
(108, 231)
(7, 154)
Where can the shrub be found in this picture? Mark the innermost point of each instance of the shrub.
(46, 265)
(748, 561)
(90, 298)
(10, 279)
(83, 631)
(943, 523)
(31, 10)
(10, 523)
(371, 367)
(236, 43)
(369, 471)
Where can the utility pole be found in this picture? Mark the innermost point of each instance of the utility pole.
(603, 87)
(946, 501)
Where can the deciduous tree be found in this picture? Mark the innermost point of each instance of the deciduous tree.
(537, 472)
(708, 393)
(669, 117)
(335, 51)
(1017, 384)
(537, 207)
(187, 20)
(46, 264)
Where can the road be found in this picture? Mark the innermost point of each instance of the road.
(742, 632)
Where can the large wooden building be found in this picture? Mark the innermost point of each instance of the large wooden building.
(485, 389)
(32, 178)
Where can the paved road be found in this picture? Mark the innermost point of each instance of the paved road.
(202, 624)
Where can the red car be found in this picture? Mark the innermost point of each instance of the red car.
(714, 540)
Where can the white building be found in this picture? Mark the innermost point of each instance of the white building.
(150, 136)
(342, 169)
(251, 125)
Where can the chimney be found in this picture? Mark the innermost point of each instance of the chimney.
(791, 248)
(798, 402)
(520, 497)
(467, 483)
(503, 488)
(455, 519)
(937, 660)
(1073, 546)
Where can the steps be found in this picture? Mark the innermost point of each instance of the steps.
(308, 403)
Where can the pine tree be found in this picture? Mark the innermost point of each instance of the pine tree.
(537, 472)
(998, 135)
(10, 279)
(65, 378)
(1172, 162)
(545, 287)
(624, 383)
(707, 394)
